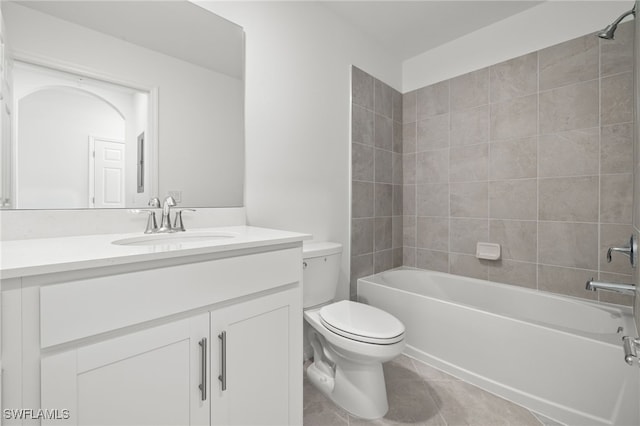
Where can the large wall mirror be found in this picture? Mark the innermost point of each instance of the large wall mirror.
(107, 104)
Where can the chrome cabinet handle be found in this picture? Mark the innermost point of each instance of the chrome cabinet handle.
(203, 369)
(223, 357)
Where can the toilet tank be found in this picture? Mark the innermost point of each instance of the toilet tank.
(321, 269)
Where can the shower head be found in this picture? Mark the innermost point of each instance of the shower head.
(610, 30)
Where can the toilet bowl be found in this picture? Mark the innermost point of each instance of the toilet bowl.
(349, 340)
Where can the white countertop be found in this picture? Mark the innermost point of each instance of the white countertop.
(21, 258)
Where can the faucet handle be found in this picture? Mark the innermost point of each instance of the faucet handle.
(630, 251)
(152, 224)
(178, 225)
(154, 202)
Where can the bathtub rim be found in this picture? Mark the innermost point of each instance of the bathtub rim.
(613, 338)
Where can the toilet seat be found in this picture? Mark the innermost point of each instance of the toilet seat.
(362, 323)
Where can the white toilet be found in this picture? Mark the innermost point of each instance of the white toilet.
(350, 340)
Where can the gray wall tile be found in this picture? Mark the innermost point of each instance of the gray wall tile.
(566, 281)
(397, 202)
(410, 107)
(616, 56)
(466, 233)
(515, 118)
(514, 78)
(433, 199)
(572, 153)
(433, 132)
(433, 100)
(409, 231)
(469, 199)
(468, 266)
(573, 199)
(383, 239)
(383, 199)
(383, 166)
(468, 163)
(513, 159)
(383, 132)
(518, 239)
(409, 256)
(396, 159)
(616, 149)
(383, 99)
(397, 232)
(568, 244)
(362, 162)
(433, 260)
(569, 107)
(513, 199)
(362, 199)
(470, 126)
(470, 90)
(362, 88)
(433, 166)
(397, 106)
(361, 266)
(362, 128)
(432, 233)
(409, 200)
(409, 168)
(569, 62)
(397, 137)
(382, 260)
(616, 198)
(409, 138)
(361, 236)
(616, 103)
(522, 274)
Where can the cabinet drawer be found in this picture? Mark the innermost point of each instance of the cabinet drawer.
(87, 307)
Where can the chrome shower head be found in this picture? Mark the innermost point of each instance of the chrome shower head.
(610, 30)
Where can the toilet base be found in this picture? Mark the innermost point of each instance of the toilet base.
(357, 388)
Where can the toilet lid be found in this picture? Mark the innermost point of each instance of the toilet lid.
(361, 322)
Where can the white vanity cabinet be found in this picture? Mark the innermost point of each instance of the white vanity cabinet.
(149, 377)
(139, 343)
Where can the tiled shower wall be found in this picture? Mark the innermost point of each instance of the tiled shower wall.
(534, 153)
(376, 158)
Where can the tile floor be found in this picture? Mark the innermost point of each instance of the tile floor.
(422, 395)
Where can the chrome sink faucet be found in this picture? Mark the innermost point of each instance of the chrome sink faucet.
(165, 222)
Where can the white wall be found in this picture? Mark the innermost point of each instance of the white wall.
(298, 140)
(199, 110)
(545, 25)
(53, 156)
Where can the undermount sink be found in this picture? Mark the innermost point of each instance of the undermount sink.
(173, 238)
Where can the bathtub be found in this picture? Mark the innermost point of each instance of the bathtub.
(555, 355)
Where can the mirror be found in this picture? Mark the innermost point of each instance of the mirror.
(108, 104)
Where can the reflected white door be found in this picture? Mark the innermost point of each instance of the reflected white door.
(108, 161)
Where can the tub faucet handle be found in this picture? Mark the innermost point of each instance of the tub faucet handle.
(630, 251)
(631, 347)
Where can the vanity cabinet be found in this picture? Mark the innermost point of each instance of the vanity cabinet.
(154, 343)
(250, 362)
(149, 377)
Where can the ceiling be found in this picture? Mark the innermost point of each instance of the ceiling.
(408, 28)
(176, 28)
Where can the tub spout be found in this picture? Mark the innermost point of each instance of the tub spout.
(593, 285)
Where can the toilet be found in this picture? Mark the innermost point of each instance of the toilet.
(349, 340)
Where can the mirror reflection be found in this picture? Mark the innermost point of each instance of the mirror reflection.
(107, 116)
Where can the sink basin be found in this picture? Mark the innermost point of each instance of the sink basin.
(173, 238)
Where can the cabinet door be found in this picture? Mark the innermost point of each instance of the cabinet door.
(259, 381)
(150, 377)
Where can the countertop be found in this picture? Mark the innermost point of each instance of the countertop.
(21, 258)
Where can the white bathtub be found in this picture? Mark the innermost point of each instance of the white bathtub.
(559, 356)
